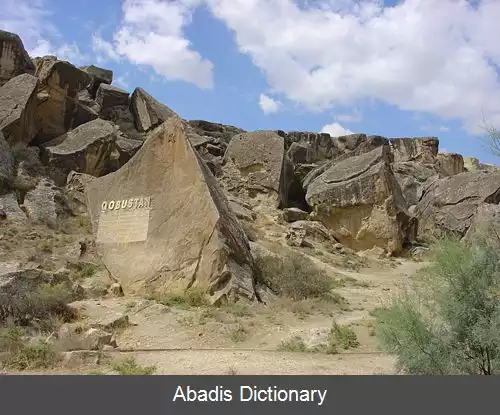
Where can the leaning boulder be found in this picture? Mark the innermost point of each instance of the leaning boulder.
(148, 112)
(256, 163)
(89, 148)
(449, 204)
(163, 223)
(18, 105)
(360, 201)
(59, 109)
(14, 60)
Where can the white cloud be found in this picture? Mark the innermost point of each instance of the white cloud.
(151, 33)
(335, 130)
(30, 19)
(122, 81)
(268, 104)
(434, 56)
(104, 49)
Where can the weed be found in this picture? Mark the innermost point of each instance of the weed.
(129, 367)
(295, 344)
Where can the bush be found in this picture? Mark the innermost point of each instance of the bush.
(294, 276)
(129, 367)
(448, 320)
(25, 355)
(296, 344)
(192, 297)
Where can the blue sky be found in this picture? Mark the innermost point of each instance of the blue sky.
(398, 69)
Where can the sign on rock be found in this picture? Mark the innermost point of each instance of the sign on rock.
(124, 221)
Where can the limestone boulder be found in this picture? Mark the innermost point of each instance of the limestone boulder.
(412, 177)
(421, 149)
(257, 163)
(59, 109)
(18, 106)
(448, 205)
(485, 225)
(89, 148)
(215, 133)
(305, 233)
(45, 204)
(294, 214)
(473, 164)
(98, 77)
(122, 116)
(147, 111)
(6, 165)
(11, 211)
(75, 192)
(361, 203)
(14, 60)
(163, 223)
(109, 96)
(450, 164)
(127, 148)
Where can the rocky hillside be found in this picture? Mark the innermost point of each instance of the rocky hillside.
(93, 178)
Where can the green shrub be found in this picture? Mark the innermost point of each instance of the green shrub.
(129, 367)
(295, 276)
(296, 344)
(239, 334)
(192, 297)
(448, 319)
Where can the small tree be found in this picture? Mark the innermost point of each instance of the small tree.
(448, 320)
(493, 140)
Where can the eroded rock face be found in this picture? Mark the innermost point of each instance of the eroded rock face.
(6, 165)
(14, 60)
(485, 225)
(98, 76)
(473, 164)
(421, 149)
(59, 109)
(412, 177)
(89, 148)
(45, 204)
(449, 204)
(109, 96)
(163, 223)
(11, 211)
(148, 112)
(360, 201)
(18, 105)
(450, 164)
(256, 163)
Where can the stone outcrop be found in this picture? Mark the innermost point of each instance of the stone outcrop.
(163, 223)
(127, 148)
(305, 233)
(421, 149)
(148, 112)
(18, 105)
(412, 177)
(449, 204)
(473, 164)
(59, 109)
(11, 211)
(109, 96)
(294, 214)
(360, 201)
(6, 165)
(98, 76)
(89, 148)
(485, 225)
(256, 163)
(45, 204)
(14, 60)
(450, 164)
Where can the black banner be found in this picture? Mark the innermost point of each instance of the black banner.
(127, 395)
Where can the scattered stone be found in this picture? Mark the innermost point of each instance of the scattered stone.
(115, 290)
(75, 336)
(294, 215)
(14, 60)
(18, 106)
(168, 193)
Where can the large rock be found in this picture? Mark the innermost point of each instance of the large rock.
(485, 225)
(360, 201)
(163, 223)
(449, 204)
(14, 60)
(59, 109)
(450, 164)
(127, 148)
(421, 149)
(473, 164)
(89, 148)
(215, 133)
(11, 211)
(18, 105)
(98, 76)
(45, 204)
(256, 163)
(109, 96)
(412, 177)
(6, 165)
(148, 112)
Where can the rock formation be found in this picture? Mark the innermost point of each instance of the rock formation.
(14, 60)
(163, 223)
